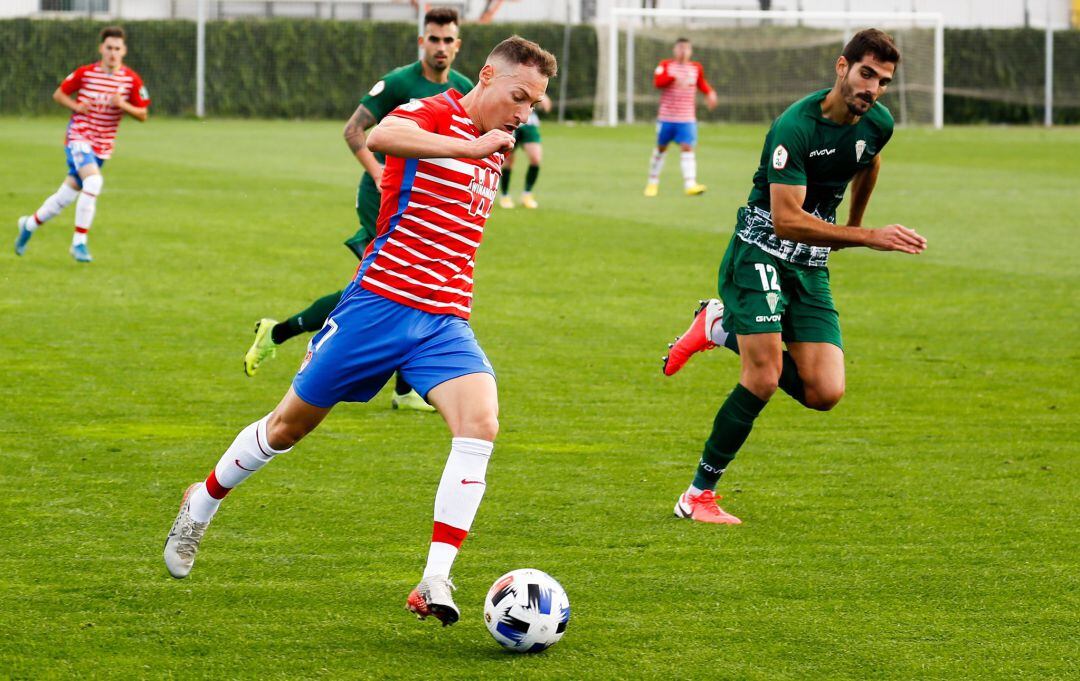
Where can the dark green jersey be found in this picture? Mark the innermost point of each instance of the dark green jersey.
(804, 148)
(400, 86)
(403, 85)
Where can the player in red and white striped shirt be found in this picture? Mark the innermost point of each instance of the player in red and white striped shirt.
(679, 81)
(106, 90)
(407, 308)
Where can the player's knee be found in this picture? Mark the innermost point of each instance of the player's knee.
(762, 380)
(282, 433)
(761, 377)
(482, 426)
(762, 386)
(824, 398)
(93, 184)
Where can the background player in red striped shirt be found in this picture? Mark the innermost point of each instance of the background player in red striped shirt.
(679, 80)
(407, 308)
(106, 91)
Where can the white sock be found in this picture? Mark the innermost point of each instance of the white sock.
(656, 164)
(692, 491)
(717, 334)
(87, 204)
(79, 237)
(460, 491)
(689, 168)
(52, 206)
(248, 453)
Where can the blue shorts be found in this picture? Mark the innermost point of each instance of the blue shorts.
(680, 133)
(368, 337)
(79, 155)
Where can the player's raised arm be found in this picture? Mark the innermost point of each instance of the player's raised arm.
(355, 134)
(662, 77)
(403, 138)
(790, 221)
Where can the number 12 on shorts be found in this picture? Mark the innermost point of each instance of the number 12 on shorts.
(768, 277)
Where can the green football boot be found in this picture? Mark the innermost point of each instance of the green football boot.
(410, 400)
(262, 349)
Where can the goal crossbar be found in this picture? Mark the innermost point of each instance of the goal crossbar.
(936, 19)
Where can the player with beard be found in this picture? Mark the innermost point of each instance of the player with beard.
(774, 278)
(430, 75)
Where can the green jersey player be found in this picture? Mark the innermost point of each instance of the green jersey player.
(431, 75)
(528, 137)
(774, 279)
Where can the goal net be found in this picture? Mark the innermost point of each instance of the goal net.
(760, 62)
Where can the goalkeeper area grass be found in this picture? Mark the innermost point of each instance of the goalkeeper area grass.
(926, 528)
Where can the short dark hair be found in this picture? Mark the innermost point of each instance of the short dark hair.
(441, 16)
(112, 32)
(518, 50)
(681, 40)
(871, 41)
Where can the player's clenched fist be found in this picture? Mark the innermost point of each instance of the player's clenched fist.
(897, 238)
(489, 143)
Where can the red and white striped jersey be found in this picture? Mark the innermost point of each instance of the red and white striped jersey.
(432, 216)
(96, 86)
(678, 82)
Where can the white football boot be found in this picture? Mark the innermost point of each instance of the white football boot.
(432, 597)
(183, 540)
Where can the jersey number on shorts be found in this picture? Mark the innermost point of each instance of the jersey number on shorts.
(331, 327)
(768, 276)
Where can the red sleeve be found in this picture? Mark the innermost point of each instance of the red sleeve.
(73, 82)
(661, 77)
(423, 112)
(702, 84)
(138, 96)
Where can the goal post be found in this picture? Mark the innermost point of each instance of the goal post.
(762, 60)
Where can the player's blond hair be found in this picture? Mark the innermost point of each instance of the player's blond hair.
(518, 50)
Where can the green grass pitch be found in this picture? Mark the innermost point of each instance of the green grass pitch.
(926, 528)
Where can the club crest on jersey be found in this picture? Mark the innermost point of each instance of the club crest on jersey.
(860, 147)
(772, 299)
(779, 157)
(482, 188)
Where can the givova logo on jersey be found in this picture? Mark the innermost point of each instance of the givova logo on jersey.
(483, 188)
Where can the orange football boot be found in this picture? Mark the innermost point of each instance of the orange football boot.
(696, 339)
(704, 509)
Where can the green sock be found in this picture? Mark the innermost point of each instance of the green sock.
(308, 320)
(504, 183)
(732, 343)
(530, 177)
(789, 372)
(731, 427)
(401, 386)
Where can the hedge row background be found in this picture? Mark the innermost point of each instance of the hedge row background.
(263, 68)
(319, 69)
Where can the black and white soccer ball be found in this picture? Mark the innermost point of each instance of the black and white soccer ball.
(526, 611)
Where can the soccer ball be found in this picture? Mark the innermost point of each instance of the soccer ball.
(526, 611)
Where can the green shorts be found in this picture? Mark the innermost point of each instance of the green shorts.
(527, 133)
(764, 294)
(367, 210)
